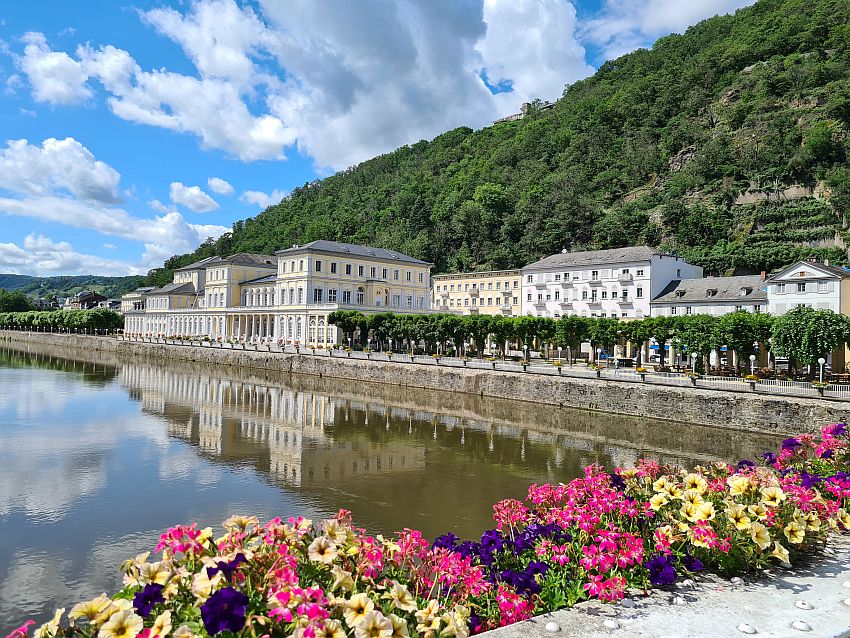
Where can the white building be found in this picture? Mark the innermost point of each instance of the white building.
(711, 296)
(619, 282)
(809, 283)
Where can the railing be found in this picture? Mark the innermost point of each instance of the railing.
(534, 366)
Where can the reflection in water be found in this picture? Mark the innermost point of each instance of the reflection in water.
(98, 454)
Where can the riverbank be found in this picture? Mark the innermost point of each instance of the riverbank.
(715, 407)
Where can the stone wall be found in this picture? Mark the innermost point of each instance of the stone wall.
(734, 410)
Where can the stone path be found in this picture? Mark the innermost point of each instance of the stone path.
(807, 601)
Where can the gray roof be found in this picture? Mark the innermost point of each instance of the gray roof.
(354, 250)
(186, 288)
(689, 291)
(264, 279)
(593, 257)
(242, 259)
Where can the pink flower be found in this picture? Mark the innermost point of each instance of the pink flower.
(21, 632)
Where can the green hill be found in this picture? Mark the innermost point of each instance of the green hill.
(66, 286)
(727, 144)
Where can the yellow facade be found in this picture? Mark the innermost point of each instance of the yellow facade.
(496, 292)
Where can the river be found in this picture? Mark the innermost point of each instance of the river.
(99, 454)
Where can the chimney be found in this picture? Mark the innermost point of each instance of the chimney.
(763, 275)
(826, 262)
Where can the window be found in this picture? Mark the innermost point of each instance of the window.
(291, 296)
(548, 297)
(301, 265)
(318, 265)
(584, 294)
(452, 287)
(347, 269)
(360, 271)
(539, 297)
(333, 267)
(465, 302)
(346, 296)
(678, 273)
(292, 266)
(557, 276)
(566, 276)
(515, 301)
(557, 295)
(823, 286)
(499, 284)
(689, 310)
(317, 295)
(594, 275)
(625, 271)
(384, 273)
(757, 309)
(395, 276)
(409, 300)
(639, 292)
(529, 296)
(780, 289)
(397, 300)
(489, 301)
(530, 279)
(489, 285)
(409, 276)
(361, 295)
(624, 294)
(300, 295)
(332, 295)
(516, 284)
(372, 272)
(801, 286)
(640, 272)
(673, 310)
(474, 300)
(605, 294)
(739, 308)
(422, 278)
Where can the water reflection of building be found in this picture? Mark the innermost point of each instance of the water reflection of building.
(237, 420)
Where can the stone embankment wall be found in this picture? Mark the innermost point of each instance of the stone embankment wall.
(735, 410)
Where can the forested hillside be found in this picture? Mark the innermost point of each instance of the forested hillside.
(66, 286)
(727, 144)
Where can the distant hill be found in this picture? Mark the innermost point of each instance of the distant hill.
(66, 286)
(727, 144)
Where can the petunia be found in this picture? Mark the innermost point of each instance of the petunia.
(322, 550)
(146, 599)
(737, 515)
(794, 532)
(400, 597)
(124, 624)
(658, 501)
(356, 608)
(49, 629)
(772, 496)
(162, 625)
(90, 609)
(780, 552)
(760, 536)
(224, 611)
(342, 579)
(374, 625)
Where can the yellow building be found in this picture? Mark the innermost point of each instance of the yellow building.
(495, 292)
(284, 298)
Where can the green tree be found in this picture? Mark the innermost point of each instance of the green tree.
(803, 335)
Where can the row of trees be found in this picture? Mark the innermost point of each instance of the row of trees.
(58, 320)
(15, 301)
(802, 335)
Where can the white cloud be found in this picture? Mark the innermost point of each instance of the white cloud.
(55, 76)
(159, 207)
(61, 182)
(109, 246)
(57, 166)
(625, 25)
(192, 197)
(261, 199)
(40, 255)
(220, 186)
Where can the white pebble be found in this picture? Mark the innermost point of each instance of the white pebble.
(737, 581)
(678, 600)
(687, 583)
(744, 628)
(847, 601)
(846, 584)
(802, 604)
(610, 623)
(628, 603)
(800, 625)
(553, 627)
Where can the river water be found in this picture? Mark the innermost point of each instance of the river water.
(99, 454)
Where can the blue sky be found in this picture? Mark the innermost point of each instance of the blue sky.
(131, 131)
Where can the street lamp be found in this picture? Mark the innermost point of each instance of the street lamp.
(559, 354)
(752, 364)
(821, 361)
(694, 356)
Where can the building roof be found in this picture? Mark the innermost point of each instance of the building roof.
(242, 259)
(354, 250)
(261, 280)
(594, 257)
(834, 271)
(507, 272)
(186, 288)
(713, 290)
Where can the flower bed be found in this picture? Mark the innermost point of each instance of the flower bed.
(598, 536)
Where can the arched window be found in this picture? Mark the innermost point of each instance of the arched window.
(321, 330)
(312, 338)
(361, 295)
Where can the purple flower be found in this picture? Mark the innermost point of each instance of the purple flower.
(661, 570)
(769, 458)
(224, 611)
(791, 444)
(744, 463)
(226, 567)
(691, 563)
(492, 541)
(808, 481)
(446, 541)
(840, 429)
(827, 454)
(617, 482)
(145, 599)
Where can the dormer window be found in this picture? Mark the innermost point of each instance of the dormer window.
(680, 293)
(711, 292)
(745, 291)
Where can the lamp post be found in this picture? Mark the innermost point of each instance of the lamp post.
(694, 357)
(559, 354)
(752, 364)
(821, 361)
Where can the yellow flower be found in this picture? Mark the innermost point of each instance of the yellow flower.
(661, 484)
(184, 632)
(399, 627)
(240, 523)
(738, 516)
(693, 497)
(90, 609)
(331, 629)
(322, 550)
(374, 625)
(356, 609)
(812, 522)
(759, 511)
(696, 482)
(794, 532)
(738, 484)
(162, 625)
(843, 518)
(772, 496)
(780, 552)
(760, 536)
(658, 501)
(342, 579)
(457, 623)
(705, 511)
(124, 624)
(689, 512)
(203, 585)
(205, 535)
(158, 573)
(428, 614)
(114, 607)
(335, 531)
(674, 491)
(49, 629)
(390, 546)
(401, 597)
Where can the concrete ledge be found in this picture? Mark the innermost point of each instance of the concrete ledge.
(734, 410)
(715, 608)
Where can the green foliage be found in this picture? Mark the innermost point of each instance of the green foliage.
(805, 334)
(655, 148)
(69, 285)
(79, 320)
(14, 301)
